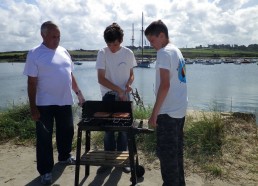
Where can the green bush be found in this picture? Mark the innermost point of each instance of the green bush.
(141, 112)
(203, 138)
(16, 123)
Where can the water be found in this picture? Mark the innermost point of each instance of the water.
(12, 84)
(225, 87)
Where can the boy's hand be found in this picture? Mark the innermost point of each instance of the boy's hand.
(153, 120)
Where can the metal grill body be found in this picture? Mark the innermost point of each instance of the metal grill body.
(90, 123)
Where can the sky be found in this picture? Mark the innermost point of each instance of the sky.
(190, 23)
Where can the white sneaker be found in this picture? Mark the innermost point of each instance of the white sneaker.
(70, 161)
(46, 179)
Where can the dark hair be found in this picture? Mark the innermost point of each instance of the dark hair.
(113, 32)
(46, 26)
(155, 28)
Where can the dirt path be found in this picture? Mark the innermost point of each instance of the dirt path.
(18, 167)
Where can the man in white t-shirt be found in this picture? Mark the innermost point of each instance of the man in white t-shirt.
(115, 75)
(168, 115)
(50, 84)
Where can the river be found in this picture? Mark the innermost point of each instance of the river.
(224, 87)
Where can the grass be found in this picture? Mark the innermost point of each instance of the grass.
(204, 138)
(15, 123)
(217, 145)
(206, 52)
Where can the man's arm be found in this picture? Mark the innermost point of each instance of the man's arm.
(32, 91)
(161, 95)
(77, 90)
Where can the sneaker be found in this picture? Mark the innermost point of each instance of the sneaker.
(103, 169)
(126, 169)
(70, 161)
(46, 179)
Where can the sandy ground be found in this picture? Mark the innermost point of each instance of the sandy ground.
(18, 167)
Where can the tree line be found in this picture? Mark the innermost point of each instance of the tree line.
(251, 47)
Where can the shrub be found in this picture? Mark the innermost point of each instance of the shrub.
(203, 138)
(16, 123)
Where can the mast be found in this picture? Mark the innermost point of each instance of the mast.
(142, 36)
(133, 37)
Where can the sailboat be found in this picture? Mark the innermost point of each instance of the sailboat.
(77, 63)
(143, 63)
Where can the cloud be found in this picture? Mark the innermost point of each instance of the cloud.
(190, 22)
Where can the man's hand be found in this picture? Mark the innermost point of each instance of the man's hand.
(35, 115)
(80, 98)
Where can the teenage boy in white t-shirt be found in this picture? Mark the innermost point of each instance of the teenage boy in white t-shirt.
(115, 75)
(168, 115)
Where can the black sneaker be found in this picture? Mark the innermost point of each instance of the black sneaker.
(126, 169)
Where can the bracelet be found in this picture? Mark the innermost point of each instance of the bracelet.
(77, 92)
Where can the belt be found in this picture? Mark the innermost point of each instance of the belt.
(112, 93)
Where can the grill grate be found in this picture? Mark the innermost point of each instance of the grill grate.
(91, 107)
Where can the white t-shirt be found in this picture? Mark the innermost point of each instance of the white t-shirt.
(117, 66)
(53, 69)
(175, 103)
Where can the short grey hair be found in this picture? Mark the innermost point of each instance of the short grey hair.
(46, 26)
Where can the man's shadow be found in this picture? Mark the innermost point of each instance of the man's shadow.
(57, 171)
(113, 179)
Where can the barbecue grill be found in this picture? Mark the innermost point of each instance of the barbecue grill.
(90, 123)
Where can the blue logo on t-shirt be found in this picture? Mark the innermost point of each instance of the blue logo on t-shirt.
(181, 71)
(122, 63)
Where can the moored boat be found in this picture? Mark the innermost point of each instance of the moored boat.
(189, 61)
(143, 64)
(77, 63)
(207, 62)
(245, 61)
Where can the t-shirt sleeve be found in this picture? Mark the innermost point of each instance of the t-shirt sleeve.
(163, 60)
(30, 68)
(100, 63)
(132, 60)
(68, 54)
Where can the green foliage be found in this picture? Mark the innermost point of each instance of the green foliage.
(97, 139)
(147, 142)
(141, 112)
(213, 169)
(16, 123)
(204, 138)
(208, 52)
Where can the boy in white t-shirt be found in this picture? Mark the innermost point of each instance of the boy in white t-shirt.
(168, 115)
(115, 75)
